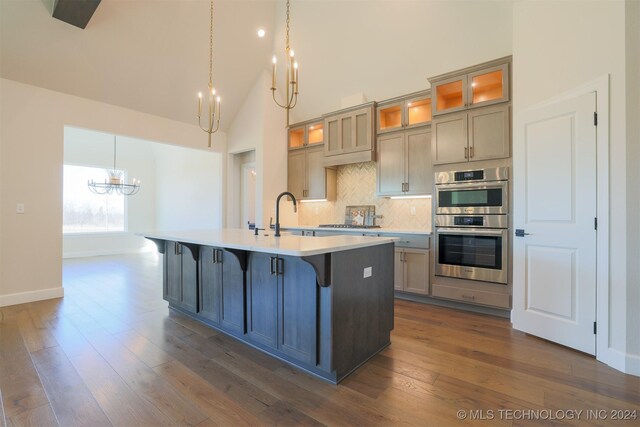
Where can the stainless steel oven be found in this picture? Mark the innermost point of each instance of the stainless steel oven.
(472, 247)
(482, 191)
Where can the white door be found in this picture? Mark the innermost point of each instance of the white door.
(554, 264)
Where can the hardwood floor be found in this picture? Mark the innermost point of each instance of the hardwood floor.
(111, 353)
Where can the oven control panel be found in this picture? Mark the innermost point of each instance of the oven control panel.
(477, 221)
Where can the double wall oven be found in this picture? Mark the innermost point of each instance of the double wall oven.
(471, 224)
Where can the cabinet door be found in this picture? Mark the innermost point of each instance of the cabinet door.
(316, 174)
(362, 131)
(489, 133)
(416, 279)
(232, 294)
(390, 117)
(398, 270)
(333, 144)
(347, 126)
(315, 133)
(298, 311)
(391, 161)
(488, 86)
(449, 95)
(418, 111)
(449, 139)
(210, 280)
(419, 164)
(189, 299)
(172, 291)
(296, 173)
(262, 300)
(297, 137)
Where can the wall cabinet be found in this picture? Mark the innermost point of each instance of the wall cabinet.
(349, 136)
(181, 277)
(281, 302)
(306, 133)
(403, 113)
(479, 134)
(222, 293)
(307, 178)
(411, 270)
(477, 86)
(404, 163)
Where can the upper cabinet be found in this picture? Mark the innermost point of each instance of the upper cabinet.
(307, 133)
(349, 136)
(405, 112)
(473, 128)
(484, 84)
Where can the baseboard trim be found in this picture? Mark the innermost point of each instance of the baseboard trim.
(86, 254)
(31, 296)
(453, 304)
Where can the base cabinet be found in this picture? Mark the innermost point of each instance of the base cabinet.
(222, 292)
(412, 270)
(181, 277)
(281, 305)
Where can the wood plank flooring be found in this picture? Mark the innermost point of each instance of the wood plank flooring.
(111, 353)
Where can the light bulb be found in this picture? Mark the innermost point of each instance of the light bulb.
(218, 99)
(261, 32)
(200, 95)
(295, 65)
(291, 53)
(274, 60)
(213, 91)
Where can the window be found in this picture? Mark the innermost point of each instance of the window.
(86, 212)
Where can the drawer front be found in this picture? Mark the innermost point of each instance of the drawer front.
(417, 241)
(492, 299)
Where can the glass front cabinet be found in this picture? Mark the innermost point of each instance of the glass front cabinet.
(475, 87)
(305, 134)
(406, 112)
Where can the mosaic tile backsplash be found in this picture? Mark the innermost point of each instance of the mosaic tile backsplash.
(357, 186)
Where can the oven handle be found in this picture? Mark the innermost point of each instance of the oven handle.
(474, 185)
(499, 232)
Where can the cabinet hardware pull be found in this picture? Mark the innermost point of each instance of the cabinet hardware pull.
(214, 256)
(280, 266)
(271, 269)
(178, 248)
(471, 152)
(407, 190)
(466, 152)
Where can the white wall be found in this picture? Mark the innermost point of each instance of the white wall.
(260, 126)
(633, 174)
(89, 148)
(32, 122)
(581, 42)
(189, 186)
(386, 48)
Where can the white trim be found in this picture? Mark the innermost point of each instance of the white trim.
(85, 254)
(633, 365)
(31, 296)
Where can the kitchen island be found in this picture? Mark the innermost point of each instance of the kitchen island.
(323, 304)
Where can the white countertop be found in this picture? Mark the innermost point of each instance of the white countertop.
(286, 244)
(359, 230)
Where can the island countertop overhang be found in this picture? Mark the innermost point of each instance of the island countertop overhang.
(243, 239)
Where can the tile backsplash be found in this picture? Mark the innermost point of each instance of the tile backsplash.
(357, 186)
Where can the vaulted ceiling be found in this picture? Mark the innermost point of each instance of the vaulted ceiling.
(152, 55)
(146, 55)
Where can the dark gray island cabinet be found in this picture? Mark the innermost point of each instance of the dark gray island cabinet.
(323, 304)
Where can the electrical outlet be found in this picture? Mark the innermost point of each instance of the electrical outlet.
(413, 210)
(368, 271)
(20, 208)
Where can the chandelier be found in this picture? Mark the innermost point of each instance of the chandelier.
(291, 88)
(214, 103)
(115, 184)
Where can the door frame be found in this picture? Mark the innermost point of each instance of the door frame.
(600, 86)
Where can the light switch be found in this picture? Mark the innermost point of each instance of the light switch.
(367, 272)
(20, 208)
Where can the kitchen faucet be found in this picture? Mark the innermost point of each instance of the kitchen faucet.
(295, 209)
